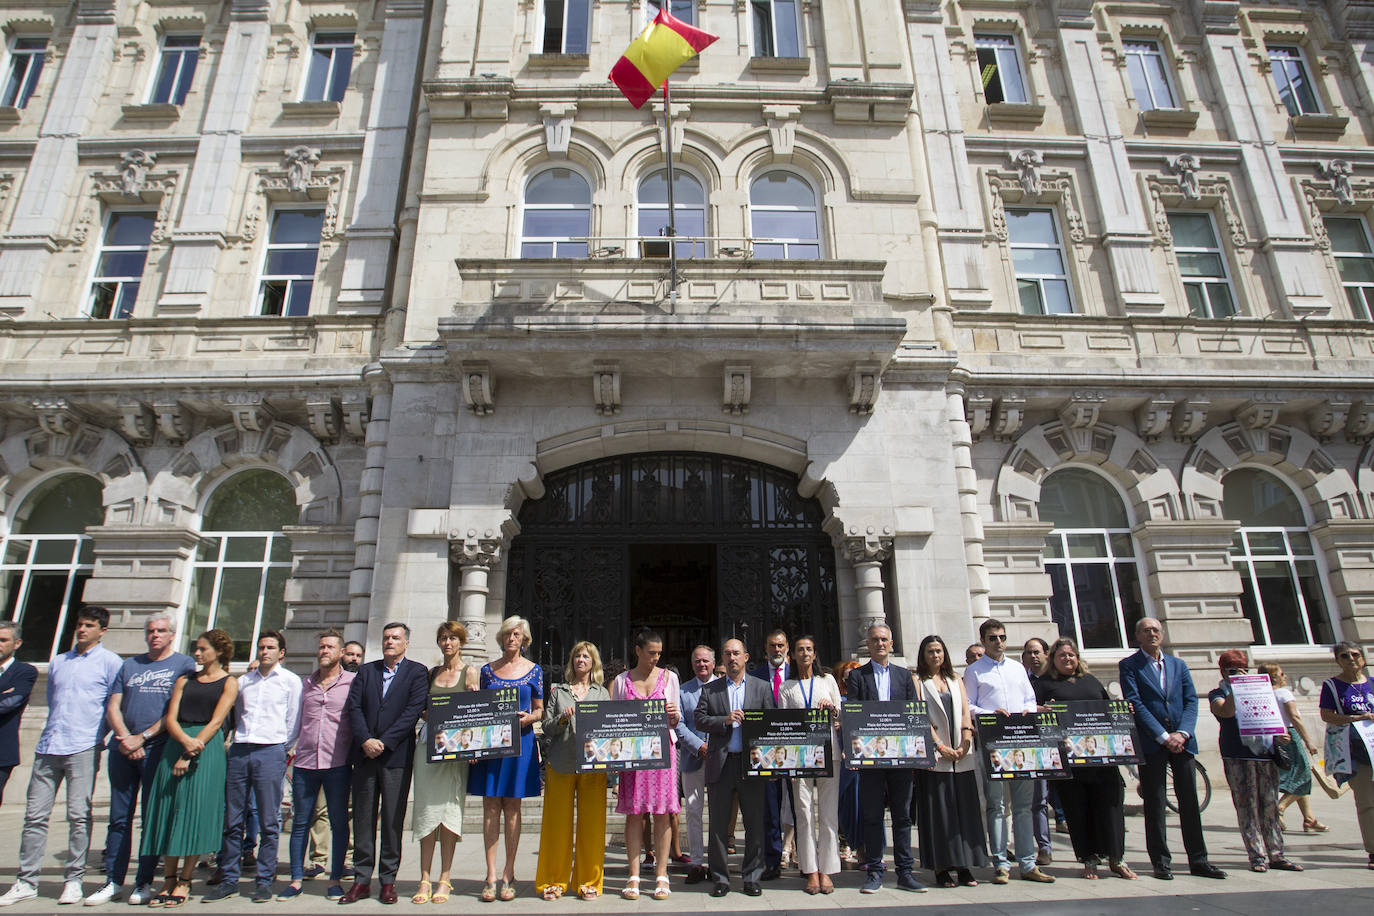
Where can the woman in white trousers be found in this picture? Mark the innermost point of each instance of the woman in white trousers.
(817, 800)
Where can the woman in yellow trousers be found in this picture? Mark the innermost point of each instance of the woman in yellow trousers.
(579, 864)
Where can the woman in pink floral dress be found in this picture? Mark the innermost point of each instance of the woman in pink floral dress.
(649, 792)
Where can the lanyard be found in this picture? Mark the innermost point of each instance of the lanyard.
(808, 694)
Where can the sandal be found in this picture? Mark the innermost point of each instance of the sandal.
(588, 892)
(1090, 870)
(1122, 870)
(553, 892)
(1313, 825)
(422, 894)
(945, 879)
(1259, 867)
(631, 889)
(160, 900)
(966, 878)
(505, 890)
(662, 890)
(175, 899)
(1284, 865)
(488, 892)
(441, 893)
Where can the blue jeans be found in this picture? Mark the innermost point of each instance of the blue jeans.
(261, 767)
(305, 789)
(130, 781)
(1021, 791)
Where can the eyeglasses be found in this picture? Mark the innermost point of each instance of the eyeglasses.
(996, 637)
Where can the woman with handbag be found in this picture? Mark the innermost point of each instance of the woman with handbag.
(1251, 772)
(1295, 783)
(1346, 699)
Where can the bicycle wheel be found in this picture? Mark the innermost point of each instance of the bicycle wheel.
(1203, 788)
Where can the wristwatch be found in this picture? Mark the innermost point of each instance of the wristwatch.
(145, 736)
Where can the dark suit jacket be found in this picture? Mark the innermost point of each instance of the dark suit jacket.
(713, 709)
(764, 673)
(862, 686)
(391, 720)
(1175, 710)
(15, 686)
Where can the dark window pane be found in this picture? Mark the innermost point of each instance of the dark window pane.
(781, 189)
(1096, 606)
(1029, 293)
(570, 250)
(769, 250)
(316, 81)
(988, 74)
(291, 262)
(273, 296)
(130, 229)
(128, 293)
(1258, 499)
(1132, 601)
(557, 223)
(296, 227)
(298, 298)
(1279, 597)
(252, 501)
(536, 250)
(1061, 605)
(553, 26)
(343, 65)
(575, 34)
(122, 264)
(103, 299)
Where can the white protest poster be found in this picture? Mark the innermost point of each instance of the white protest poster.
(1365, 729)
(1257, 711)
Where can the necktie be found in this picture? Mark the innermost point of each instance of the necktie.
(777, 683)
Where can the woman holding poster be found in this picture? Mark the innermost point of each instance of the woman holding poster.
(649, 792)
(818, 800)
(563, 864)
(1347, 706)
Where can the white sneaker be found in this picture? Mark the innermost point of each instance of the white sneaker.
(71, 893)
(22, 890)
(141, 895)
(107, 893)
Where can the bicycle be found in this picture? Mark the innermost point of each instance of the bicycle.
(1204, 787)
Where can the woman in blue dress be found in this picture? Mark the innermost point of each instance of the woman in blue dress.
(504, 781)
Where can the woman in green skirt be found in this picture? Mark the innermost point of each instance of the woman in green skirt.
(185, 816)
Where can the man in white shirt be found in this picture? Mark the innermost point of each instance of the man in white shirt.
(996, 684)
(267, 712)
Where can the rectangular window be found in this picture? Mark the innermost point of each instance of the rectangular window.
(1292, 82)
(1350, 245)
(1149, 79)
(567, 26)
(331, 61)
(999, 69)
(176, 68)
(26, 64)
(684, 10)
(1042, 279)
(1200, 261)
(288, 271)
(119, 265)
(777, 28)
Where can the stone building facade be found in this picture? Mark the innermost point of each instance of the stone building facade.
(1057, 312)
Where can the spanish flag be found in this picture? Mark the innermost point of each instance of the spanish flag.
(664, 45)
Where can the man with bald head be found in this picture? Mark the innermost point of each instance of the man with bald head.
(719, 714)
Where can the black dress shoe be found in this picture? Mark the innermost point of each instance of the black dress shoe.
(720, 890)
(752, 890)
(771, 873)
(1206, 870)
(697, 874)
(1164, 873)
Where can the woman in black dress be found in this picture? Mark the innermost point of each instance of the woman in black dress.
(1094, 797)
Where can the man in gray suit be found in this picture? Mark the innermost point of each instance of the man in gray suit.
(691, 750)
(719, 713)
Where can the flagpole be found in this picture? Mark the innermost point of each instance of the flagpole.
(672, 210)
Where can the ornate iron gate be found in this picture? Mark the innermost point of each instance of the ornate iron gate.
(568, 571)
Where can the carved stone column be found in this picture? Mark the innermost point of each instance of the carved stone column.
(866, 553)
(474, 556)
(1349, 546)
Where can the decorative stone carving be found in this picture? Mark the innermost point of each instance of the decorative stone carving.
(978, 411)
(470, 549)
(558, 122)
(136, 420)
(1186, 167)
(322, 411)
(1027, 163)
(1259, 414)
(478, 388)
(1338, 172)
(1214, 192)
(56, 416)
(249, 411)
(782, 128)
(300, 166)
(302, 179)
(1152, 418)
(353, 407)
(869, 546)
(173, 420)
(133, 171)
(135, 180)
(606, 389)
(1359, 421)
(1328, 418)
(1051, 185)
(1011, 413)
(1082, 409)
(1189, 417)
(865, 381)
(738, 388)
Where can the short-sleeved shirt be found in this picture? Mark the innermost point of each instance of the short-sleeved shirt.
(146, 686)
(1284, 696)
(1354, 698)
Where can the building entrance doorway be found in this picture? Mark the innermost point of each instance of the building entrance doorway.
(698, 547)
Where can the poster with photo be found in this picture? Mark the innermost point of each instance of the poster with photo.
(618, 735)
(1022, 746)
(1098, 733)
(892, 733)
(787, 742)
(473, 725)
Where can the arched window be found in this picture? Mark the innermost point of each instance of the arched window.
(243, 560)
(1090, 557)
(784, 216)
(1281, 586)
(46, 561)
(558, 215)
(689, 204)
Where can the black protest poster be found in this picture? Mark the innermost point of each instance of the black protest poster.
(886, 733)
(619, 735)
(787, 742)
(1022, 746)
(1098, 733)
(474, 724)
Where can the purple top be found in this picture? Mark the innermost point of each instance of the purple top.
(1354, 698)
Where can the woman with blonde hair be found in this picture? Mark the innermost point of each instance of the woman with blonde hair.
(441, 788)
(1295, 783)
(504, 781)
(563, 864)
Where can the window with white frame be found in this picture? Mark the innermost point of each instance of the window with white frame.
(1202, 265)
(288, 269)
(689, 208)
(784, 218)
(119, 265)
(25, 66)
(558, 215)
(331, 62)
(777, 27)
(238, 579)
(567, 26)
(45, 562)
(175, 69)
(1350, 246)
(1037, 256)
(1149, 77)
(1291, 80)
(1091, 561)
(999, 69)
(682, 10)
(1281, 582)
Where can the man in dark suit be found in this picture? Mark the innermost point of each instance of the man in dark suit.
(384, 703)
(885, 787)
(719, 713)
(16, 683)
(1160, 691)
(777, 793)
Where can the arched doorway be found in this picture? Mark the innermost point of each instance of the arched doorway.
(698, 546)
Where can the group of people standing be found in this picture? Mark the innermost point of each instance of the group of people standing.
(348, 734)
